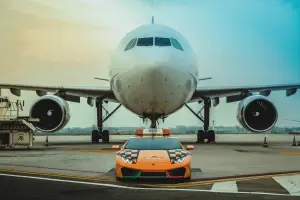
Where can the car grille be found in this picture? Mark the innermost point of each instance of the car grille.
(153, 175)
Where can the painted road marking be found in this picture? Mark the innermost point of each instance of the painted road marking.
(217, 187)
(94, 150)
(60, 169)
(59, 175)
(137, 188)
(225, 186)
(198, 183)
(290, 153)
(290, 183)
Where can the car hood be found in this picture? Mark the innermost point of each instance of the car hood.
(153, 155)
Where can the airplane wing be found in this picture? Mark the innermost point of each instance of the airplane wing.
(71, 93)
(236, 93)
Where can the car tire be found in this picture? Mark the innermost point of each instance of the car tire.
(188, 179)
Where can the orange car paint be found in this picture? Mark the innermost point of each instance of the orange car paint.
(153, 161)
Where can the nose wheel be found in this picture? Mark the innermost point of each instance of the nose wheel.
(205, 135)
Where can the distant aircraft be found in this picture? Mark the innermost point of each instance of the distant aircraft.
(154, 73)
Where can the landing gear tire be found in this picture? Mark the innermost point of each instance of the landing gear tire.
(211, 136)
(200, 136)
(105, 136)
(203, 136)
(95, 136)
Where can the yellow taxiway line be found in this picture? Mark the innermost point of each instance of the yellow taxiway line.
(94, 150)
(210, 182)
(171, 185)
(59, 175)
(290, 153)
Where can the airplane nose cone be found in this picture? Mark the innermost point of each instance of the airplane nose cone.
(158, 57)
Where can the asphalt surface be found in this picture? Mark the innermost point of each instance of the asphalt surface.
(27, 188)
(237, 169)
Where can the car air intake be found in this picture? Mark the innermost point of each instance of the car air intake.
(177, 172)
(129, 172)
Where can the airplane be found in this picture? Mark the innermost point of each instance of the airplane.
(154, 73)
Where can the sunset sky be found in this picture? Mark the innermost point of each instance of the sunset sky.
(69, 42)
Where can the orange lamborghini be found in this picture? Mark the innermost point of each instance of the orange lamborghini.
(153, 155)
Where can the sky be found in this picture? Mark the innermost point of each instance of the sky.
(69, 42)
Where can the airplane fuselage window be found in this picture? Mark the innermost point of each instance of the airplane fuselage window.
(176, 44)
(162, 42)
(130, 44)
(145, 41)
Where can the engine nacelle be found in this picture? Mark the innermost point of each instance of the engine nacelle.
(52, 111)
(257, 114)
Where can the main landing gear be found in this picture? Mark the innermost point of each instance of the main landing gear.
(100, 133)
(204, 135)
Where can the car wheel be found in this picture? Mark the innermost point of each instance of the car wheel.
(188, 179)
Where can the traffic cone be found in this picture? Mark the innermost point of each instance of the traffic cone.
(294, 141)
(265, 142)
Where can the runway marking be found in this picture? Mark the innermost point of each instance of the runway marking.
(199, 183)
(225, 186)
(290, 153)
(94, 150)
(58, 175)
(290, 183)
(31, 166)
(138, 188)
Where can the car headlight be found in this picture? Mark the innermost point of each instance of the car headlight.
(179, 160)
(128, 160)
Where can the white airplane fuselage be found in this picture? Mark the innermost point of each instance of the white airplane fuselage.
(153, 79)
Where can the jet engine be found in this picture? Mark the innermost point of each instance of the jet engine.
(257, 114)
(52, 111)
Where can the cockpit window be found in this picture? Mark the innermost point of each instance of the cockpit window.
(176, 44)
(131, 44)
(145, 41)
(162, 42)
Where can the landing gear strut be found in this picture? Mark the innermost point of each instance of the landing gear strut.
(204, 134)
(100, 133)
(153, 121)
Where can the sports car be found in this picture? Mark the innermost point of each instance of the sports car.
(153, 155)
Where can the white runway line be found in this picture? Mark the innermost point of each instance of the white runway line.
(228, 186)
(135, 188)
(290, 183)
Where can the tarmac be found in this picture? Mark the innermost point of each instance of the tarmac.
(237, 166)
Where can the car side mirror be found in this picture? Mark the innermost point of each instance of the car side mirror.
(190, 147)
(116, 147)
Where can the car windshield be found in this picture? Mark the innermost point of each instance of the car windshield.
(153, 144)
